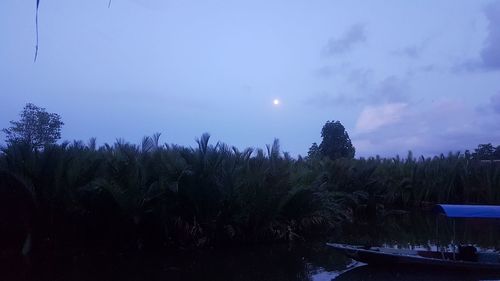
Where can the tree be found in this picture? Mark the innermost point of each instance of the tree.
(484, 152)
(313, 151)
(496, 154)
(36, 127)
(336, 142)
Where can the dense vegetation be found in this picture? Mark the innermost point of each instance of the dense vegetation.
(126, 197)
(129, 197)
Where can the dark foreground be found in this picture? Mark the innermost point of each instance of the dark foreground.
(263, 263)
(279, 263)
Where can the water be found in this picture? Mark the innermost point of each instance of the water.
(304, 261)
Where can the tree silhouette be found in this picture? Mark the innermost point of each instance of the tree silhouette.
(36, 127)
(484, 152)
(336, 142)
(313, 151)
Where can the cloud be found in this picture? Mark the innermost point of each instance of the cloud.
(495, 103)
(428, 68)
(325, 71)
(491, 107)
(327, 100)
(357, 76)
(392, 89)
(489, 56)
(431, 129)
(361, 78)
(375, 117)
(413, 52)
(353, 36)
(360, 89)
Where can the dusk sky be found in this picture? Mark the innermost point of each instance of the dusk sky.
(399, 75)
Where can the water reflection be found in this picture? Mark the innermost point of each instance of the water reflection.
(423, 230)
(303, 262)
(311, 262)
(369, 273)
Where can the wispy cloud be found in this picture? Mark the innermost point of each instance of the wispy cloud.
(362, 90)
(328, 100)
(353, 36)
(489, 56)
(325, 71)
(495, 103)
(360, 78)
(443, 126)
(375, 117)
(428, 68)
(413, 52)
(392, 89)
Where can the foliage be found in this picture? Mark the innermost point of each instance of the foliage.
(126, 197)
(486, 152)
(36, 127)
(314, 151)
(146, 197)
(336, 142)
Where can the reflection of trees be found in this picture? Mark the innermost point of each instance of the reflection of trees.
(423, 229)
(265, 263)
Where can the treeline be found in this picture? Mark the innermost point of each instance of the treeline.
(150, 196)
(126, 197)
(486, 152)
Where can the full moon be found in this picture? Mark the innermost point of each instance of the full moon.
(276, 101)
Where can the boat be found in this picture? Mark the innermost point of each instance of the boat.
(488, 261)
(463, 258)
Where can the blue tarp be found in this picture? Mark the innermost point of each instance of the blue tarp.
(469, 211)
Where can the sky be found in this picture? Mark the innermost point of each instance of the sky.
(399, 75)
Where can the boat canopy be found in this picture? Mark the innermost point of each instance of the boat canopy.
(468, 211)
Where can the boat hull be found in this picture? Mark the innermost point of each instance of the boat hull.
(387, 256)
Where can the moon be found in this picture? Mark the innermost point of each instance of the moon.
(276, 102)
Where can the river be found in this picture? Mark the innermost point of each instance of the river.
(312, 261)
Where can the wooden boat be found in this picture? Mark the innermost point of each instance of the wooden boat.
(465, 258)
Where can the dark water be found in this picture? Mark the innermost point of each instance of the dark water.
(304, 261)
